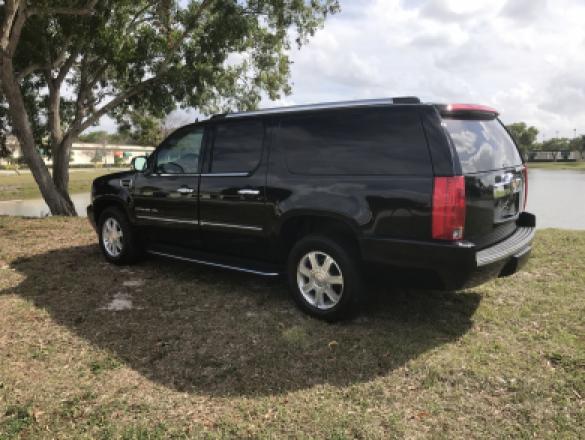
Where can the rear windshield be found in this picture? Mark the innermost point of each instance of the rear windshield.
(482, 145)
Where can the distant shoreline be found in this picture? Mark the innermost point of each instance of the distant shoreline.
(576, 166)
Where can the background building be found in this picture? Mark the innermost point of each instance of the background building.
(83, 154)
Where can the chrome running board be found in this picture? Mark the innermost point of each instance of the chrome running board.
(214, 264)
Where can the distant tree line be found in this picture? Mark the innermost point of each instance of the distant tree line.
(526, 137)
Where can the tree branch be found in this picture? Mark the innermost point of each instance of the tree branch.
(86, 10)
(66, 67)
(95, 117)
(11, 10)
(16, 29)
(38, 66)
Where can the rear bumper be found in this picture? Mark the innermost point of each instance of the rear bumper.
(458, 265)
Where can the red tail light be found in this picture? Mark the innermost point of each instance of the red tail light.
(449, 208)
(525, 174)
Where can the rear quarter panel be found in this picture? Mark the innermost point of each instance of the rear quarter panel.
(387, 206)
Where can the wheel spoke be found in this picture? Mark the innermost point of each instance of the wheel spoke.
(313, 260)
(319, 298)
(333, 296)
(335, 279)
(327, 264)
(307, 287)
(304, 270)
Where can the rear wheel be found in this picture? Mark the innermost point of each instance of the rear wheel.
(324, 278)
(117, 238)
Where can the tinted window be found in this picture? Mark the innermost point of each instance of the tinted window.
(179, 154)
(237, 147)
(356, 142)
(482, 145)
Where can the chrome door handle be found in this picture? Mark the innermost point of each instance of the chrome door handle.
(248, 192)
(185, 190)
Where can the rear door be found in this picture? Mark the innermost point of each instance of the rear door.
(494, 175)
(232, 208)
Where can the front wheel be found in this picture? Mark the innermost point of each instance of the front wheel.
(117, 238)
(324, 278)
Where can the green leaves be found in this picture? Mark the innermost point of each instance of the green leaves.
(211, 54)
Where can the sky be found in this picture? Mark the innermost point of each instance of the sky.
(526, 58)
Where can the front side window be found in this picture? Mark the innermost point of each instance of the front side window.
(180, 153)
(237, 146)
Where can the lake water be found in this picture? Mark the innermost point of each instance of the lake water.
(556, 197)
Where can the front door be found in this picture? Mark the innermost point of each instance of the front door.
(232, 208)
(165, 195)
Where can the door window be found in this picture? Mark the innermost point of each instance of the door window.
(180, 153)
(237, 147)
(375, 141)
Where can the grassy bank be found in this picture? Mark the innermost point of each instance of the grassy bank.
(557, 165)
(14, 187)
(163, 350)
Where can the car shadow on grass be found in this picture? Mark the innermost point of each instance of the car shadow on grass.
(222, 333)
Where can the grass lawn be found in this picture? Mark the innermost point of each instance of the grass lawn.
(557, 165)
(168, 350)
(15, 187)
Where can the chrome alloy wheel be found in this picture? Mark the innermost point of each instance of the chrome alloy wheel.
(320, 280)
(112, 237)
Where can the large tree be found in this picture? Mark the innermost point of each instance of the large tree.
(524, 135)
(66, 63)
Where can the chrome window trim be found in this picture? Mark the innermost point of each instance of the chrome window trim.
(211, 263)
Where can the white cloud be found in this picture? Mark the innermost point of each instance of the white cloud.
(522, 56)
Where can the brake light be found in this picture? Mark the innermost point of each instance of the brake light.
(525, 175)
(471, 107)
(449, 208)
(481, 111)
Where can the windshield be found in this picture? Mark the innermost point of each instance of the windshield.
(482, 145)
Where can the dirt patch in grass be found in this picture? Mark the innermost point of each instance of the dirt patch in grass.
(163, 349)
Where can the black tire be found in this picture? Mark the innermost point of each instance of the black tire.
(345, 257)
(131, 250)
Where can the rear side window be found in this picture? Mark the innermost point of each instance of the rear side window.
(378, 141)
(237, 146)
(482, 145)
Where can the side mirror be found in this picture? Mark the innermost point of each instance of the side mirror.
(138, 163)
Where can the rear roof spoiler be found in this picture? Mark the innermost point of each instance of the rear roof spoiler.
(467, 111)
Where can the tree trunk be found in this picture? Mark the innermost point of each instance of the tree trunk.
(61, 169)
(59, 203)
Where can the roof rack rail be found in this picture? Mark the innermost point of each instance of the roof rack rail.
(325, 105)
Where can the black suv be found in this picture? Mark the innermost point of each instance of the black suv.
(321, 191)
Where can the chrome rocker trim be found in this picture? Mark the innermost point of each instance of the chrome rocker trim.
(211, 263)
